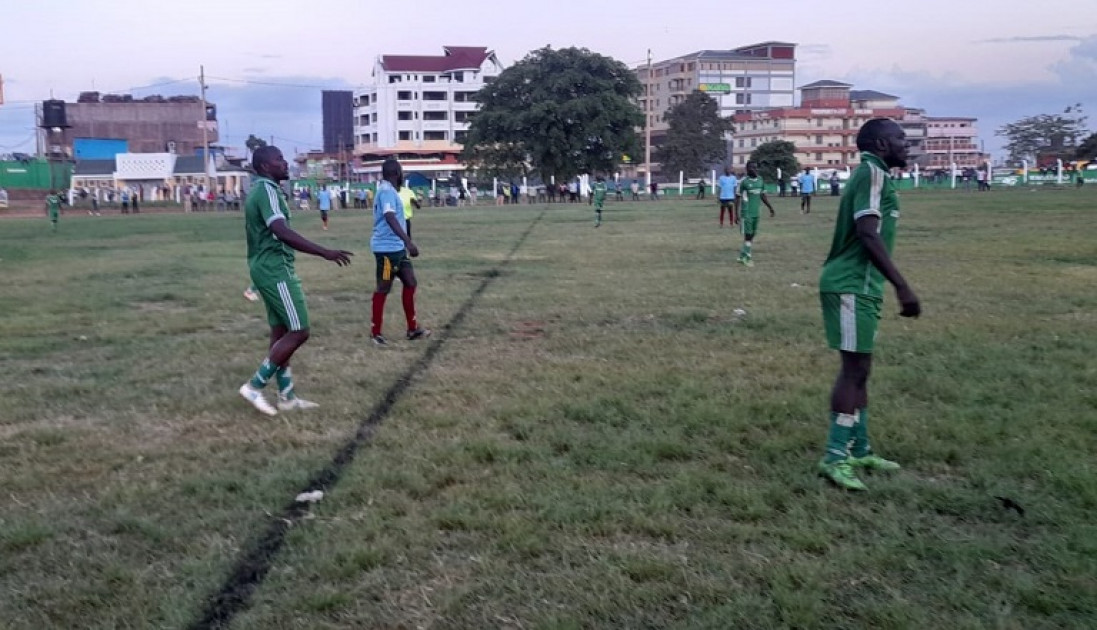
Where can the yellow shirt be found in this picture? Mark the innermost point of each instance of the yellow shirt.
(406, 195)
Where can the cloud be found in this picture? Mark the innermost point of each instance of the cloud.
(820, 51)
(1030, 38)
(254, 70)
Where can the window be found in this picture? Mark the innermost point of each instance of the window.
(460, 136)
(405, 135)
(818, 122)
(434, 135)
(394, 78)
(373, 116)
(435, 115)
(462, 117)
(403, 95)
(434, 96)
(818, 157)
(754, 142)
(742, 82)
(403, 115)
(363, 120)
(459, 77)
(464, 97)
(429, 78)
(743, 99)
(818, 140)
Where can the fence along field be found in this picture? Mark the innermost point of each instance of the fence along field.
(600, 442)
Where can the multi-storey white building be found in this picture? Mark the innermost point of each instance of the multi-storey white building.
(419, 107)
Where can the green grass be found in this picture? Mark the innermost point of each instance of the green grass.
(602, 443)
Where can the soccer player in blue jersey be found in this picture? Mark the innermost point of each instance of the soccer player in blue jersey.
(807, 190)
(728, 185)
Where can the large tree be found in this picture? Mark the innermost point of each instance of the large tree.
(558, 113)
(695, 136)
(1028, 136)
(253, 143)
(1087, 150)
(779, 154)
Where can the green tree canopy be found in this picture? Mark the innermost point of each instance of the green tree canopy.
(253, 142)
(1028, 136)
(1087, 150)
(557, 112)
(773, 155)
(695, 137)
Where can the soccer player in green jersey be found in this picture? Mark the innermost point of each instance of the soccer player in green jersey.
(598, 198)
(851, 290)
(53, 207)
(271, 245)
(752, 191)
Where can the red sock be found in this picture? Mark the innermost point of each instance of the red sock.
(409, 307)
(378, 313)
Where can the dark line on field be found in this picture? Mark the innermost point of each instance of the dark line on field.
(252, 567)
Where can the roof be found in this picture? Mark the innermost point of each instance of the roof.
(824, 83)
(870, 95)
(455, 58)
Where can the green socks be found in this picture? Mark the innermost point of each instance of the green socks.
(263, 374)
(842, 426)
(285, 383)
(744, 252)
(860, 446)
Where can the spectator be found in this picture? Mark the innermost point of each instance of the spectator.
(834, 184)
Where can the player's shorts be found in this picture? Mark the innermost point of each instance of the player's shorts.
(389, 264)
(727, 204)
(599, 203)
(850, 321)
(805, 195)
(285, 302)
(750, 225)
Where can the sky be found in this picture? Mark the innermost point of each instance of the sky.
(266, 62)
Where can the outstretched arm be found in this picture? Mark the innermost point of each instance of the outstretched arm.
(868, 232)
(302, 244)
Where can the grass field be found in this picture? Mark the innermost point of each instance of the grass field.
(597, 440)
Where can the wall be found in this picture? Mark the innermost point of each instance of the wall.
(34, 174)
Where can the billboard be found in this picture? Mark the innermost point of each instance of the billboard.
(715, 88)
(98, 148)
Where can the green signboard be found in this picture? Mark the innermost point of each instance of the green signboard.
(716, 88)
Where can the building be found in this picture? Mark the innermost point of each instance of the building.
(419, 107)
(154, 124)
(337, 107)
(952, 140)
(742, 80)
(160, 176)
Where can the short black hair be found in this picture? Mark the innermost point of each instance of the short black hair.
(263, 155)
(871, 130)
(389, 168)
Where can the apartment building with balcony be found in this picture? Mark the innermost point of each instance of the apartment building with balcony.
(952, 140)
(419, 107)
(742, 80)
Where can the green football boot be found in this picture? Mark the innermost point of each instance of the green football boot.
(841, 474)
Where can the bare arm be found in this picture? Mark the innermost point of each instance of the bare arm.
(869, 235)
(302, 244)
(765, 200)
(390, 218)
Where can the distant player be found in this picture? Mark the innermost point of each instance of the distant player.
(752, 192)
(323, 202)
(411, 204)
(53, 208)
(598, 197)
(728, 185)
(851, 291)
(393, 250)
(807, 190)
(271, 245)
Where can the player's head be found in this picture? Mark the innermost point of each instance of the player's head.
(393, 173)
(727, 169)
(752, 169)
(268, 162)
(884, 138)
(600, 178)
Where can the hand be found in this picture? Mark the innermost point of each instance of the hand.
(771, 214)
(908, 302)
(338, 256)
(413, 250)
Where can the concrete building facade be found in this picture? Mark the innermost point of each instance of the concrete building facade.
(337, 110)
(150, 125)
(419, 107)
(742, 80)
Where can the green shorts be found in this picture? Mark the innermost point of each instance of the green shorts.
(850, 321)
(750, 225)
(285, 302)
(389, 264)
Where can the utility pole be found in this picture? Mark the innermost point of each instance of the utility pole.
(647, 122)
(205, 128)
